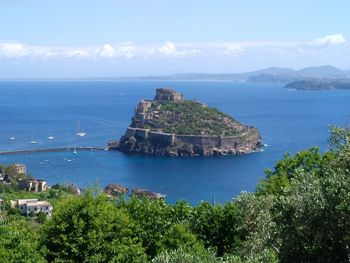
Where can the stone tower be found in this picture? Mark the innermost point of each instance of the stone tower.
(168, 95)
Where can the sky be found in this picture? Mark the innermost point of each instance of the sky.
(113, 38)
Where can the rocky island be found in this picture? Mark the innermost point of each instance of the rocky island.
(319, 84)
(169, 125)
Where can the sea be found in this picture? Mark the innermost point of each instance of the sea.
(289, 121)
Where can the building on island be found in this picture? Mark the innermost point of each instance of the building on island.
(168, 95)
(20, 168)
(33, 205)
(32, 185)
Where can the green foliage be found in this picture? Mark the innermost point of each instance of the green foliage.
(153, 219)
(177, 236)
(190, 117)
(184, 255)
(19, 243)
(41, 217)
(313, 218)
(91, 229)
(216, 226)
(308, 219)
(279, 178)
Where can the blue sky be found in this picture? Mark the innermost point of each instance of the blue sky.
(106, 38)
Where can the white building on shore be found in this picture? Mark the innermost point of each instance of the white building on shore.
(33, 205)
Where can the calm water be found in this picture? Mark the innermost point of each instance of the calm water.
(288, 120)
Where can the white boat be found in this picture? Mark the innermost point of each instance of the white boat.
(50, 138)
(33, 141)
(12, 138)
(80, 132)
(75, 150)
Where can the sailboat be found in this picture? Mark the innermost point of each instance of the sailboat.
(75, 150)
(33, 141)
(50, 136)
(80, 133)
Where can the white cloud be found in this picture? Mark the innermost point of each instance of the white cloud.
(12, 50)
(126, 50)
(169, 49)
(328, 40)
(233, 50)
(107, 51)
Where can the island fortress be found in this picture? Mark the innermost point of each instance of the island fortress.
(169, 125)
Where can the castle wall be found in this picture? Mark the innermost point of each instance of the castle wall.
(141, 133)
(249, 138)
(204, 141)
(166, 138)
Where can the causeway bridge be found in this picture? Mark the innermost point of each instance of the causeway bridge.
(61, 149)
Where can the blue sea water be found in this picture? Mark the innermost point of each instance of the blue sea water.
(288, 120)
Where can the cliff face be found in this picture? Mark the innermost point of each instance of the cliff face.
(172, 126)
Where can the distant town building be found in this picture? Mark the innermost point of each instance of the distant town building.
(33, 205)
(20, 168)
(32, 185)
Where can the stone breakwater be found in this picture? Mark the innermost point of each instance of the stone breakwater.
(144, 141)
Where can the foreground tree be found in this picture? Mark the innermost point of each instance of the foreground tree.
(307, 220)
(91, 229)
(19, 243)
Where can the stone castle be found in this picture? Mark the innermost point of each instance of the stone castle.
(139, 139)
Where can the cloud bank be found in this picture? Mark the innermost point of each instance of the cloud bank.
(168, 49)
(171, 57)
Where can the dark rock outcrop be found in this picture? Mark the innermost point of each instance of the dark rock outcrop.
(144, 193)
(116, 189)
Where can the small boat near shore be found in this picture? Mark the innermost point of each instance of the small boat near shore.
(80, 132)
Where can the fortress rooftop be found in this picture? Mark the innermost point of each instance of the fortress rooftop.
(164, 94)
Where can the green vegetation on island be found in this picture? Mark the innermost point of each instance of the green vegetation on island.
(189, 118)
(299, 213)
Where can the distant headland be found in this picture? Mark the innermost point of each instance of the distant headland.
(319, 84)
(169, 125)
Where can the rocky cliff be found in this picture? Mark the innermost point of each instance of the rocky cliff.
(169, 125)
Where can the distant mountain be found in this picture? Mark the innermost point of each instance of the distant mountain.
(273, 71)
(323, 71)
(272, 74)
